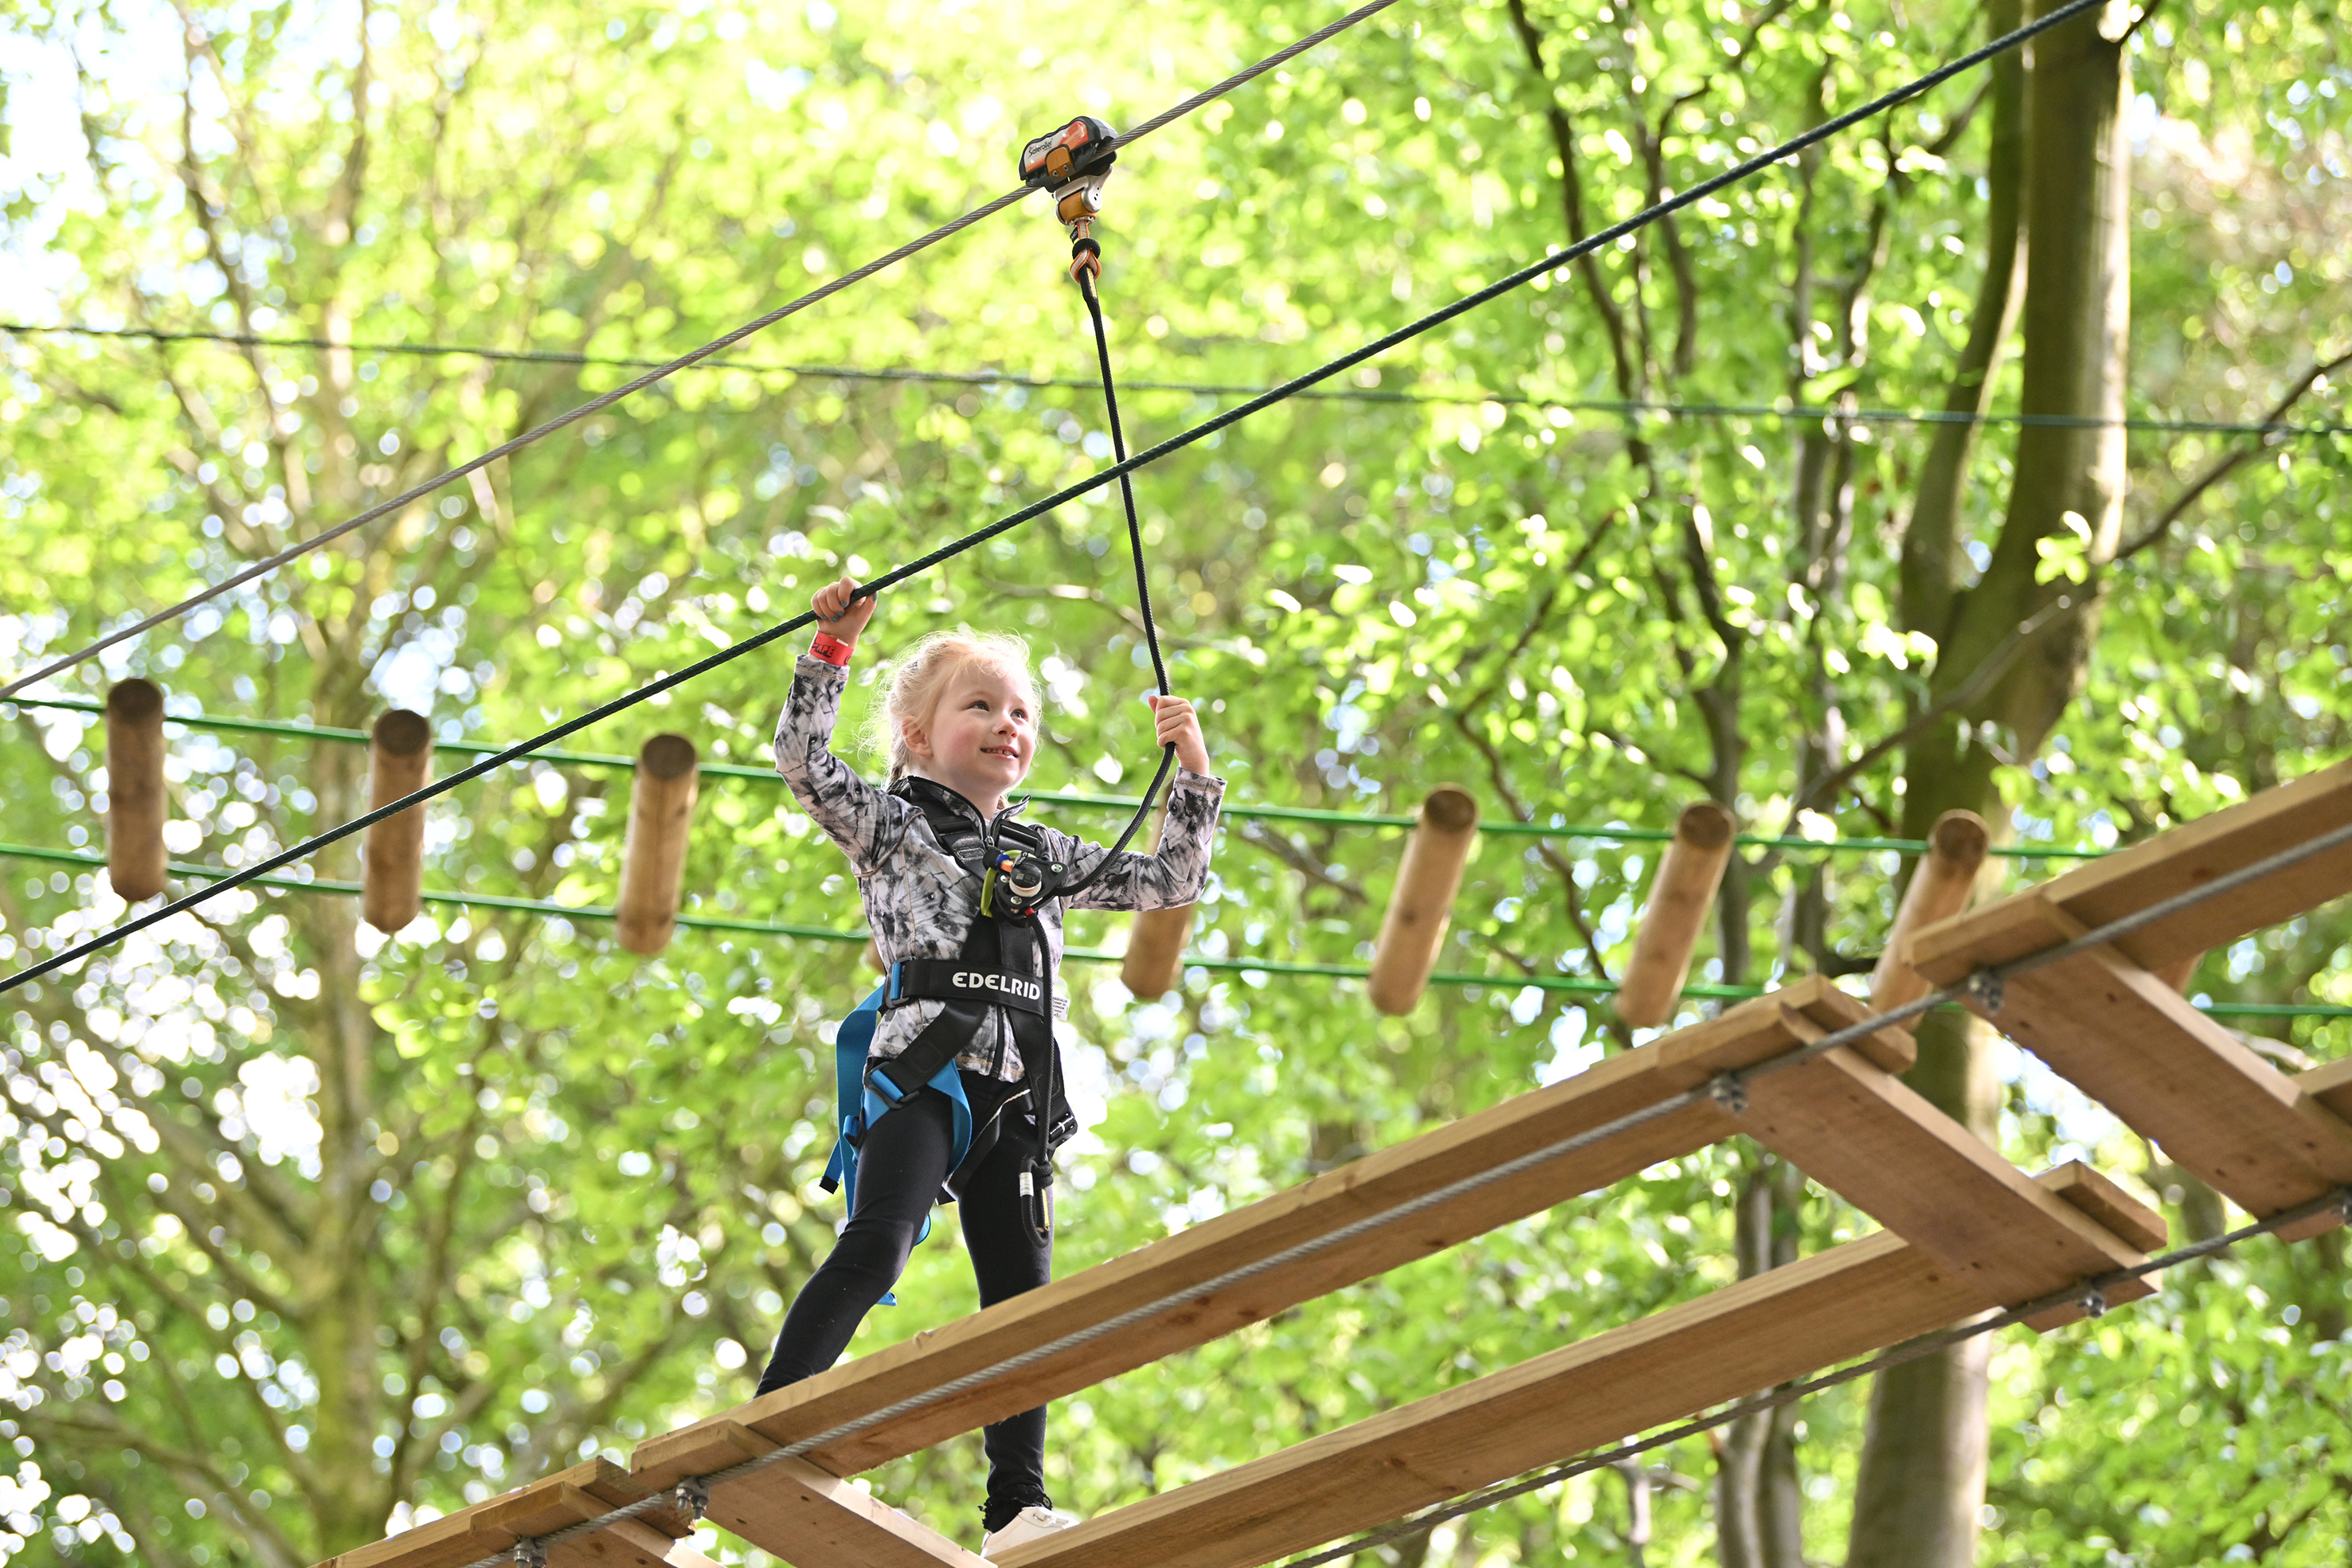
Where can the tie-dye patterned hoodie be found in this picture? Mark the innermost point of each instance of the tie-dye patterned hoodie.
(920, 901)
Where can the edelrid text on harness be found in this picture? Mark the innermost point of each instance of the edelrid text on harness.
(1005, 962)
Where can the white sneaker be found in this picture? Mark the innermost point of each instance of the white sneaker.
(1030, 1524)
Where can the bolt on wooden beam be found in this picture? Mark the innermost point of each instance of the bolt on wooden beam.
(1939, 889)
(134, 789)
(392, 875)
(1422, 904)
(1680, 895)
(1155, 941)
(653, 860)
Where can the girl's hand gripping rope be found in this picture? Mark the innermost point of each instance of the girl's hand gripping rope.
(843, 617)
(1179, 726)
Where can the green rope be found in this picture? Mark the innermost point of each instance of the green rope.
(1598, 832)
(1573, 985)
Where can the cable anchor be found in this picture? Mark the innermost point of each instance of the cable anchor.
(1989, 990)
(1730, 1091)
(693, 1498)
(2095, 1301)
(1072, 164)
(530, 1553)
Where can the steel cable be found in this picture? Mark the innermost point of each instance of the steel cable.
(668, 368)
(1175, 444)
(1725, 1090)
(2280, 430)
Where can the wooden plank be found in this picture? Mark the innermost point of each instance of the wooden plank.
(2118, 1211)
(538, 1508)
(2173, 861)
(811, 1520)
(2138, 1047)
(1852, 1125)
(1373, 1186)
(677, 1554)
(2330, 1085)
(1844, 1302)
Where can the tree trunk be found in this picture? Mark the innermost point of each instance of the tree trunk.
(1758, 1504)
(1921, 1479)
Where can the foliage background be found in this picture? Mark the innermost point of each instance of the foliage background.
(315, 1232)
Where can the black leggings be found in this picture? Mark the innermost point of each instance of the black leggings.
(900, 1165)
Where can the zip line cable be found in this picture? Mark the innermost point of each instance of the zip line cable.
(667, 367)
(1550, 263)
(1727, 1090)
(1606, 833)
(1573, 985)
(2281, 430)
(2338, 1201)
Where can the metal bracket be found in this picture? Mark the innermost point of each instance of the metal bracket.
(1987, 987)
(2095, 1301)
(530, 1553)
(693, 1498)
(1730, 1091)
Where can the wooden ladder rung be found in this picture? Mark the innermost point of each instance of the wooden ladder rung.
(1847, 1301)
(1375, 1185)
(1847, 1122)
(2134, 1044)
(2172, 861)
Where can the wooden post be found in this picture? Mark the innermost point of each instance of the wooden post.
(653, 860)
(391, 877)
(1155, 942)
(1680, 895)
(1939, 890)
(1422, 904)
(134, 789)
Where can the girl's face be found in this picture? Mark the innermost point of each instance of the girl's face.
(982, 735)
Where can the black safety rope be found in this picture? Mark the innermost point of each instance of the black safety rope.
(1175, 444)
(1142, 585)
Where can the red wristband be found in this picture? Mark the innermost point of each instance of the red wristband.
(831, 649)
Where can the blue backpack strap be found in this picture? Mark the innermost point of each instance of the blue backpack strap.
(859, 1106)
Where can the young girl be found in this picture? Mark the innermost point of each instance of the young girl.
(959, 896)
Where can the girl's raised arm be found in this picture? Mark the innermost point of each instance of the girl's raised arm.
(864, 821)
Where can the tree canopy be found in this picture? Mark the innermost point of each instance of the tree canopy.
(317, 1233)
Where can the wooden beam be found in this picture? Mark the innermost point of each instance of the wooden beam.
(811, 1520)
(1378, 1184)
(392, 869)
(2330, 1086)
(1940, 885)
(1850, 1123)
(135, 806)
(1681, 894)
(1155, 942)
(2171, 862)
(1835, 1305)
(540, 1507)
(653, 854)
(2134, 1044)
(1422, 905)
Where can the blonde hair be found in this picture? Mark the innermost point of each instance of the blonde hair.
(922, 679)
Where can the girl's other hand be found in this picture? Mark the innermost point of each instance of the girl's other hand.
(842, 616)
(1179, 726)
